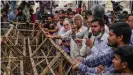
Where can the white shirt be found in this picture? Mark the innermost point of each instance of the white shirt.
(74, 47)
(85, 50)
(61, 32)
(106, 29)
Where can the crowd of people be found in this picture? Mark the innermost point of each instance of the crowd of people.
(98, 45)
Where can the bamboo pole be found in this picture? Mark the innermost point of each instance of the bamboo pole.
(17, 50)
(66, 56)
(4, 38)
(8, 65)
(48, 63)
(38, 47)
(51, 63)
(21, 67)
(31, 59)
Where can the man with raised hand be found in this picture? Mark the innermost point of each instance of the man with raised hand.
(119, 35)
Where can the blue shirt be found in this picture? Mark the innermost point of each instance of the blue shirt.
(90, 66)
(100, 48)
(91, 71)
(11, 16)
(101, 54)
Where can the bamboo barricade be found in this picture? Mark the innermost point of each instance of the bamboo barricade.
(33, 54)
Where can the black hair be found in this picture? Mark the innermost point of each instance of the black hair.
(62, 17)
(61, 11)
(106, 18)
(126, 55)
(50, 15)
(69, 10)
(100, 21)
(112, 13)
(70, 13)
(56, 11)
(122, 28)
(125, 12)
(124, 16)
(74, 12)
(89, 12)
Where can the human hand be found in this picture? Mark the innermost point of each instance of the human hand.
(75, 66)
(74, 29)
(78, 40)
(46, 29)
(49, 36)
(89, 43)
(80, 59)
(100, 69)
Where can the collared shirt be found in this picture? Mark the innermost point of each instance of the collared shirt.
(100, 47)
(101, 54)
(92, 63)
(109, 71)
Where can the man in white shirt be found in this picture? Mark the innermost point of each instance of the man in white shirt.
(85, 50)
(77, 30)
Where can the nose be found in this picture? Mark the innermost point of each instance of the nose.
(108, 37)
(113, 60)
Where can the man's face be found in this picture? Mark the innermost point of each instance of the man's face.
(78, 21)
(70, 16)
(56, 18)
(66, 25)
(130, 21)
(66, 15)
(60, 14)
(118, 64)
(61, 21)
(112, 39)
(49, 19)
(74, 28)
(89, 21)
(96, 28)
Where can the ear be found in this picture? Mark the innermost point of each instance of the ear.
(120, 37)
(102, 28)
(124, 64)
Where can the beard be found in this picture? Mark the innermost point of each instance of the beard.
(113, 45)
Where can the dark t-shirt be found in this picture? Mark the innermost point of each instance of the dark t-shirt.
(49, 25)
